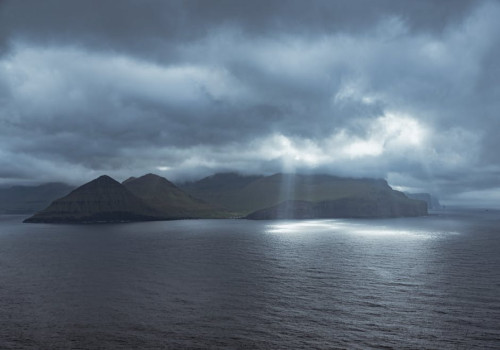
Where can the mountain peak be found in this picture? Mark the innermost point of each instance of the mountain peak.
(152, 177)
(101, 200)
(165, 197)
(151, 180)
(104, 179)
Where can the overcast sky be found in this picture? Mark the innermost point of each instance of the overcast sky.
(404, 90)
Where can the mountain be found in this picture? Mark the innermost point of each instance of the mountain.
(381, 205)
(100, 200)
(324, 195)
(30, 199)
(163, 196)
(432, 202)
(279, 196)
(226, 190)
(132, 178)
(220, 182)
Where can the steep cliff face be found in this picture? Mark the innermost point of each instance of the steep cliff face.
(100, 200)
(246, 194)
(306, 196)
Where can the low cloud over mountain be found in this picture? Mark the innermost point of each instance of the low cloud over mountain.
(405, 91)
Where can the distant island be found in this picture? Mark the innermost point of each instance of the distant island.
(29, 199)
(280, 196)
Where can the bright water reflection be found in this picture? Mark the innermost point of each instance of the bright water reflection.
(368, 228)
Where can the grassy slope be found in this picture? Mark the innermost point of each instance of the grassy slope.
(244, 197)
(164, 196)
(102, 199)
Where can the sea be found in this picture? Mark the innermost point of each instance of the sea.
(409, 283)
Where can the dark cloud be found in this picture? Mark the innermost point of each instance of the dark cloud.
(405, 90)
(150, 27)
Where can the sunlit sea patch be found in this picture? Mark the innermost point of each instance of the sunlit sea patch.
(353, 228)
(303, 226)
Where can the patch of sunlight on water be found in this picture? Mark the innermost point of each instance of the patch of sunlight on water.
(354, 228)
(301, 226)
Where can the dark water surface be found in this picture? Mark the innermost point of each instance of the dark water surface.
(420, 283)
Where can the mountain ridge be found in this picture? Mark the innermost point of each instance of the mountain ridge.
(100, 200)
(152, 197)
(256, 193)
(165, 197)
(25, 199)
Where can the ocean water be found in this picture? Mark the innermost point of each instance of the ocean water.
(413, 283)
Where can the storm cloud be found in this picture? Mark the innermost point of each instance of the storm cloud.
(406, 91)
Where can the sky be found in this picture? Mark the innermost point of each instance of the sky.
(402, 90)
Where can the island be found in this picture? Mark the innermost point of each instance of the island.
(280, 196)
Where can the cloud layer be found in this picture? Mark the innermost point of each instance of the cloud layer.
(402, 90)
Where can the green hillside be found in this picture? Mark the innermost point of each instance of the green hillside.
(290, 196)
(245, 195)
(100, 200)
(172, 202)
